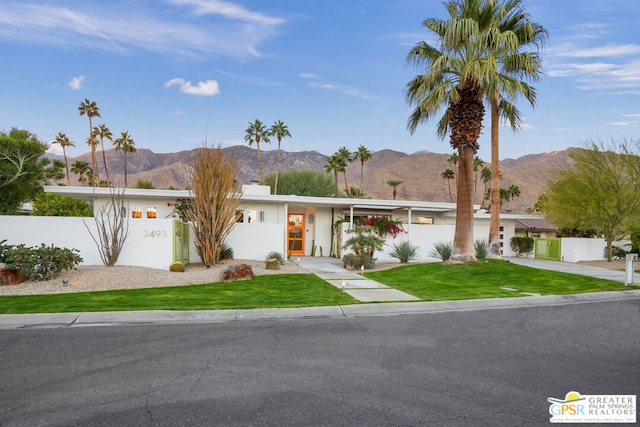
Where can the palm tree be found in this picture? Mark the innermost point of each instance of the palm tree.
(364, 155)
(344, 158)
(127, 145)
(279, 130)
(462, 68)
(102, 132)
(91, 110)
(332, 166)
(449, 174)
(453, 159)
(485, 175)
(81, 169)
(514, 191)
(64, 142)
(478, 166)
(256, 132)
(394, 183)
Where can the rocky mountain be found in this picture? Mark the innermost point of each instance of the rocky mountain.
(420, 172)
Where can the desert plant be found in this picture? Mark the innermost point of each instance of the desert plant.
(226, 252)
(276, 255)
(39, 263)
(356, 261)
(481, 247)
(112, 225)
(177, 266)
(442, 250)
(405, 251)
(522, 245)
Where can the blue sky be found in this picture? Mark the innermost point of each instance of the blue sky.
(174, 72)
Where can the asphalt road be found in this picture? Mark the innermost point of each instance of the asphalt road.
(487, 367)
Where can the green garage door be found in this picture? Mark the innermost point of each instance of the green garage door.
(548, 249)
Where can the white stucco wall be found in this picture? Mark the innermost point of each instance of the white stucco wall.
(574, 249)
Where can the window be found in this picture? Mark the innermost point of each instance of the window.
(136, 212)
(152, 212)
(252, 217)
(425, 220)
(239, 215)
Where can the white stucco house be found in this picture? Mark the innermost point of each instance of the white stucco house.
(289, 224)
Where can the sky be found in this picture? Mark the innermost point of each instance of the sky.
(178, 73)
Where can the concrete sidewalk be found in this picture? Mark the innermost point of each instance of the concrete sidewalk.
(574, 268)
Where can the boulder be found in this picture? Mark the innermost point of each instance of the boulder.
(10, 277)
(234, 273)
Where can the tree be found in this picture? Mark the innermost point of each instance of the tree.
(364, 155)
(64, 142)
(344, 157)
(49, 204)
(102, 132)
(304, 182)
(332, 166)
(394, 183)
(514, 191)
(449, 174)
(23, 169)
(127, 145)
(478, 166)
(81, 169)
(91, 110)
(516, 60)
(485, 176)
(279, 130)
(599, 189)
(144, 184)
(256, 132)
(212, 174)
(463, 67)
(453, 159)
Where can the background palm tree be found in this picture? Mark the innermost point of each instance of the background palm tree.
(257, 132)
(453, 159)
(485, 176)
(449, 174)
(364, 155)
(514, 191)
(394, 183)
(127, 145)
(102, 132)
(279, 130)
(478, 166)
(331, 166)
(81, 169)
(64, 142)
(344, 158)
(91, 110)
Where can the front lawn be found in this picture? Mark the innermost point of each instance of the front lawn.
(285, 290)
(440, 281)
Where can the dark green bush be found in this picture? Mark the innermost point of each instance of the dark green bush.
(39, 263)
(357, 261)
(522, 245)
(276, 255)
(226, 252)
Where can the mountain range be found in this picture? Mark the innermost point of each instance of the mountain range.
(421, 172)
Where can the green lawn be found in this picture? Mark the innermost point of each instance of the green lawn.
(285, 290)
(440, 281)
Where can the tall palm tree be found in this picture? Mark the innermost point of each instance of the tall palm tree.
(257, 132)
(127, 145)
(279, 130)
(485, 176)
(344, 158)
(81, 169)
(64, 142)
(453, 159)
(91, 110)
(514, 191)
(364, 155)
(102, 132)
(394, 183)
(462, 67)
(331, 166)
(449, 174)
(478, 166)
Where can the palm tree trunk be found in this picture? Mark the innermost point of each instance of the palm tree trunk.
(104, 160)
(125, 168)
(275, 186)
(450, 195)
(260, 163)
(495, 251)
(346, 185)
(361, 173)
(66, 165)
(463, 249)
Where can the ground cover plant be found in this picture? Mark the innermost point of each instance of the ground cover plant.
(443, 281)
(284, 290)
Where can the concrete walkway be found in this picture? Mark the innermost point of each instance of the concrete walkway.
(353, 283)
(575, 268)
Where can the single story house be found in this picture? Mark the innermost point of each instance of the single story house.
(537, 228)
(289, 224)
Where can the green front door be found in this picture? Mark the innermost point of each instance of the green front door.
(181, 233)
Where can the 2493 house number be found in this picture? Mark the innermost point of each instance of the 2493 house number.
(155, 233)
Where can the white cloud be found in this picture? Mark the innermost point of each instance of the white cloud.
(228, 29)
(572, 51)
(308, 76)
(205, 88)
(624, 124)
(76, 83)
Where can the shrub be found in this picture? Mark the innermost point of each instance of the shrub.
(177, 266)
(442, 250)
(481, 247)
(276, 255)
(226, 252)
(617, 252)
(356, 261)
(39, 263)
(405, 251)
(522, 245)
(49, 204)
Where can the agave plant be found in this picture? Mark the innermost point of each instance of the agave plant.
(405, 251)
(442, 250)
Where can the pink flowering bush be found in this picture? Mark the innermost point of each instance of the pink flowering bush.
(381, 226)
